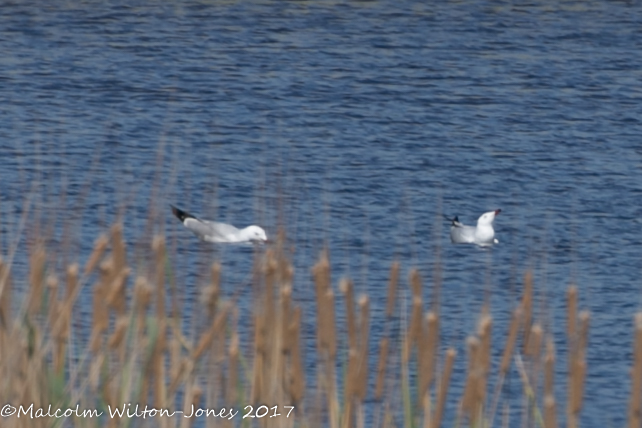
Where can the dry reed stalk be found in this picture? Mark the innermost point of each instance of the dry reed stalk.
(577, 341)
(550, 413)
(119, 252)
(116, 296)
(582, 339)
(212, 292)
(350, 388)
(158, 355)
(175, 364)
(507, 355)
(415, 283)
(483, 361)
(321, 273)
(99, 249)
(469, 399)
(331, 349)
(381, 367)
(635, 402)
(346, 288)
(364, 330)
(549, 368)
(415, 327)
(330, 332)
(268, 298)
(258, 385)
(64, 311)
(535, 342)
(206, 339)
(100, 310)
(36, 273)
(101, 318)
(72, 283)
(285, 317)
(232, 369)
(571, 314)
(580, 363)
(392, 288)
(428, 356)
(116, 341)
(52, 285)
(5, 296)
(94, 372)
(326, 343)
(297, 378)
(527, 307)
(192, 400)
(444, 382)
(142, 298)
(510, 341)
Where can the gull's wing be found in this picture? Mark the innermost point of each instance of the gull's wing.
(211, 231)
(460, 234)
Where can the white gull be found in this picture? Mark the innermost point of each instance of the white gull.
(212, 231)
(483, 234)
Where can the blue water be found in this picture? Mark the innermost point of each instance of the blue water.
(356, 125)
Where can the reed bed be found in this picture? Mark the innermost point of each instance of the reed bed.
(137, 356)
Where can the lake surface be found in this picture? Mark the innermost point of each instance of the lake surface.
(357, 125)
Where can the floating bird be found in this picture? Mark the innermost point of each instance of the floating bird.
(212, 231)
(483, 234)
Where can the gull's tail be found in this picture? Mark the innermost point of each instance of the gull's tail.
(454, 221)
(182, 215)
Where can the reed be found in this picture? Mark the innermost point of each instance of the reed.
(137, 350)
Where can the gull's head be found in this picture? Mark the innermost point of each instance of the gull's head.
(255, 233)
(486, 219)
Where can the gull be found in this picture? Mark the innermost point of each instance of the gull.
(211, 231)
(483, 234)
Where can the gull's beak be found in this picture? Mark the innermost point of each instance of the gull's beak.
(497, 212)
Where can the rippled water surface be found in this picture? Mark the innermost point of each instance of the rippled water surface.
(356, 124)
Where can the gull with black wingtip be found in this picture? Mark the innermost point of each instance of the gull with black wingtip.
(483, 234)
(212, 231)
